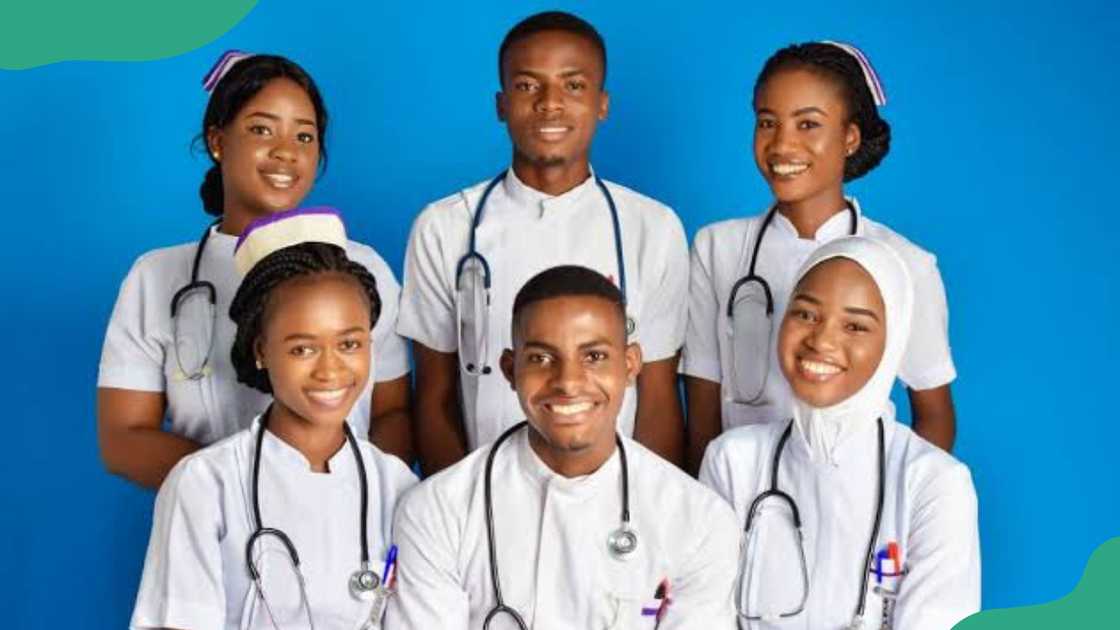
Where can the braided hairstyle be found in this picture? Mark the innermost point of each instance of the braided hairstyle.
(252, 301)
(840, 67)
(243, 81)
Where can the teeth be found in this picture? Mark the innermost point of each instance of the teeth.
(553, 129)
(817, 367)
(569, 410)
(279, 179)
(328, 395)
(788, 169)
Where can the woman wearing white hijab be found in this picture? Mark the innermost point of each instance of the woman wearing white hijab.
(888, 531)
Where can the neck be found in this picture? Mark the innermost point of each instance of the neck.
(551, 179)
(316, 442)
(234, 221)
(808, 215)
(570, 463)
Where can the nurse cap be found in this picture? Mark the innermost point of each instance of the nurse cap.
(228, 59)
(269, 234)
(870, 77)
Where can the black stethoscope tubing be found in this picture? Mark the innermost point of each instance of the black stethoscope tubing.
(261, 530)
(500, 606)
(776, 492)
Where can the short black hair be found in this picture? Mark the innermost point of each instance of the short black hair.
(553, 21)
(565, 281)
(837, 65)
(252, 299)
(239, 85)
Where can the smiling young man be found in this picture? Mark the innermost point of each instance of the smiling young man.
(469, 253)
(558, 494)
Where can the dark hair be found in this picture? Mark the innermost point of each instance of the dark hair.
(553, 21)
(564, 281)
(244, 79)
(248, 307)
(836, 64)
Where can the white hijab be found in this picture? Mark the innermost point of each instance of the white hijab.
(828, 427)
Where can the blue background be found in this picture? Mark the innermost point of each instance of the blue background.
(1003, 164)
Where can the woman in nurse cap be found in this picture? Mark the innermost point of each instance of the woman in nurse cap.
(284, 524)
(888, 527)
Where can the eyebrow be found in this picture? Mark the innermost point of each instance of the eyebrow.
(854, 310)
(270, 116)
(342, 333)
(587, 345)
(564, 74)
(810, 110)
(808, 298)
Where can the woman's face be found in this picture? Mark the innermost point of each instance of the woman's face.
(833, 334)
(802, 135)
(315, 344)
(269, 152)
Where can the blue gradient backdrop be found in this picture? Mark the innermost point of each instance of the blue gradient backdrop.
(1003, 164)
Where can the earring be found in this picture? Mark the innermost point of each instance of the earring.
(217, 156)
(260, 366)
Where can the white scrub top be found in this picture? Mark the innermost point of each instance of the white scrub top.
(930, 511)
(551, 534)
(195, 575)
(138, 353)
(524, 232)
(721, 256)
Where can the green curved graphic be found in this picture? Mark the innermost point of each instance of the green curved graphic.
(38, 32)
(1092, 604)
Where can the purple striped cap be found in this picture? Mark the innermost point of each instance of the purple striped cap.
(869, 75)
(228, 59)
(319, 224)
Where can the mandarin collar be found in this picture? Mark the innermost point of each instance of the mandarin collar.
(582, 487)
(280, 453)
(834, 227)
(523, 196)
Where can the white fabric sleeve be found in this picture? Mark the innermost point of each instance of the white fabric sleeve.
(182, 585)
(427, 304)
(703, 593)
(429, 591)
(665, 292)
(132, 356)
(389, 348)
(928, 362)
(943, 583)
(701, 341)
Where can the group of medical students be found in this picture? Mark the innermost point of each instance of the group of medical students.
(259, 377)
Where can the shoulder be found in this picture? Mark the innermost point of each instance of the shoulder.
(721, 234)
(390, 469)
(675, 487)
(203, 475)
(456, 208)
(368, 257)
(448, 490)
(156, 262)
(931, 472)
(648, 210)
(746, 443)
(917, 259)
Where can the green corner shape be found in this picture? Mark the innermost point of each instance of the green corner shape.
(1093, 603)
(39, 32)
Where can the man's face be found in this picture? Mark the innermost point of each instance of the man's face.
(570, 366)
(552, 97)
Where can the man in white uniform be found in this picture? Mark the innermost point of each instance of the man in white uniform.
(590, 529)
(548, 208)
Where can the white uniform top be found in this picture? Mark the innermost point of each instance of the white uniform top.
(524, 232)
(551, 539)
(139, 349)
(721, 255)
(929, 510)
(195, 575)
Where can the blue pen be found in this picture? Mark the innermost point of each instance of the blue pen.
(390, 560)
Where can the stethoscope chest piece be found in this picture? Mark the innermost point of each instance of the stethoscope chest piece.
(363, 584)
(622, 542)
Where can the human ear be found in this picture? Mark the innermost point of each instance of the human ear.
(506, 364)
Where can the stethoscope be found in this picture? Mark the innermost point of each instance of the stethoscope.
(775, 492)
(480, 365)
(363, 583)
(756, 389)
(212, 296)
(621, 542)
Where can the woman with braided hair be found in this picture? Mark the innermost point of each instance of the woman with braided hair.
(817, 126)
(285, 523)
(166, 350)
